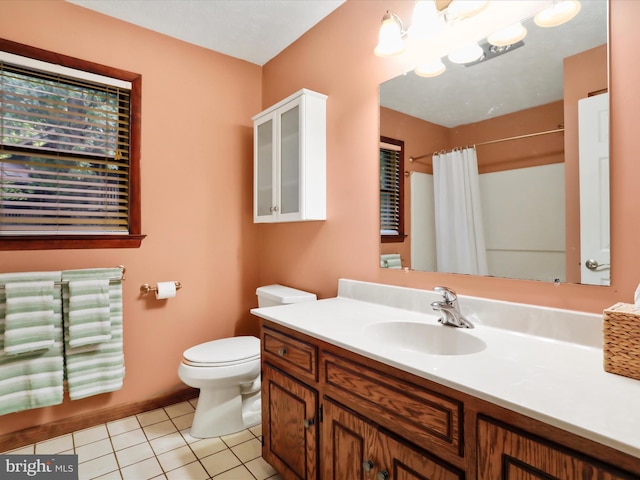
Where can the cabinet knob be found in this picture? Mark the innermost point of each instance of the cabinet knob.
(383, 475)
(367, 465)
(282, 351)
(308, 422)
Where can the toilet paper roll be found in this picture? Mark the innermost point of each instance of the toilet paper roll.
(166, 290)
(636, 298)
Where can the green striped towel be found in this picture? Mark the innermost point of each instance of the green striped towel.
(97, 368)
(89, 320)
(34, 379)
(28, 317)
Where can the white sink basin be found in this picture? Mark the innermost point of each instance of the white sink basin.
(425, 338)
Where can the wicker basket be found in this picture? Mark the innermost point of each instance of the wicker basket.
(621, 329)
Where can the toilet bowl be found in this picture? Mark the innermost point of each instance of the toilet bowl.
(227, 372)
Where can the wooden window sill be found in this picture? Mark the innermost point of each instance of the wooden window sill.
(392, 238)
(60, 242)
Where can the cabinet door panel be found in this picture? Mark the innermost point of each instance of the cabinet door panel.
(290, 161)
(403, 462)
(265, 171)
(506, 454)
(290, 442)
(346, 444)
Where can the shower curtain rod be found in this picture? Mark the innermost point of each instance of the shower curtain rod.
(517, 137)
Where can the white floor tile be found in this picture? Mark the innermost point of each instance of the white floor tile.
(154, 416)
(128, 439)
(134, 454)
(159, 429)
(193, 471)
(93, 450)
(183, 421)
(90, 435)
(144, 470)
(179, 409)
(176, 458)
(167, 442)
(208, 446)
(111, 476)
(123, 425)
(26, 450)
(248, 450)
(260, 469)
(238, 473)
(220, 462)
(257, 430)
(97, 467)
(237, 438)
(55, 445)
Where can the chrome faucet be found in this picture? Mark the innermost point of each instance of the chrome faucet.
(449, 309)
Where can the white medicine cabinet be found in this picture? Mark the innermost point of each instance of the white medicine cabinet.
(289, 160)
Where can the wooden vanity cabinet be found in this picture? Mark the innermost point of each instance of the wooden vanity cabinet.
(330, 414)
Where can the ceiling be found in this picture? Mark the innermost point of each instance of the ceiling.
(251, 30)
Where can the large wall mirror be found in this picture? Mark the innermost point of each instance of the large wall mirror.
(536, 118)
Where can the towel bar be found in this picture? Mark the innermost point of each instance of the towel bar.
(66, 282)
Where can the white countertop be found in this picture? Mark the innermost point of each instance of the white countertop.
(555, 381)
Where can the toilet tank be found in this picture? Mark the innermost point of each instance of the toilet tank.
(271, 295)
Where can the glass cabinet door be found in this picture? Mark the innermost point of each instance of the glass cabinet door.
(265, 169)
(290, 161)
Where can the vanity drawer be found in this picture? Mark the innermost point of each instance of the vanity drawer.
(427, 418)
(290, 353)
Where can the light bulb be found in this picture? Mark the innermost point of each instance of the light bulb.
(390, 37)
(458, 9)
(425, 22)
(430, 69)
(467, 54)
(508, 36)
(560, 12)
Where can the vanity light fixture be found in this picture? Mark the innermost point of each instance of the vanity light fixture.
(431, 68)
(561, 11)
(391, 36)
(425, 21)
(508, 36)
(459, 9)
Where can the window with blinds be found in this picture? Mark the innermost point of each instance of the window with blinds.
(64, 154)
(391, 189)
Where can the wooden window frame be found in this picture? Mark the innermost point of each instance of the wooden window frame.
(88, 241)
(400, 237)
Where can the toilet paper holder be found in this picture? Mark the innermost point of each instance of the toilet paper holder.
(146, 288)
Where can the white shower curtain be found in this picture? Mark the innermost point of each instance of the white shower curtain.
(460, 242)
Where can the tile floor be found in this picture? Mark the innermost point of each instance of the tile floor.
(157, 445)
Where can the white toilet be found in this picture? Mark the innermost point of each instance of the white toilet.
(227, 372)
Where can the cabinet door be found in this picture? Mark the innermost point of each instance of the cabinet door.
(505, 454)
(288, 186)
(265, 169)
(347, 450)
(289, 425)
(403, 462)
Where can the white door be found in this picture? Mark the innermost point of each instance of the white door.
(595, 256)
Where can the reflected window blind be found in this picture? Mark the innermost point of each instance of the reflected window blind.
(389, 190)
(64, 154)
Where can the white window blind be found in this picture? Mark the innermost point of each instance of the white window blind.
(389, 190)
(64, 153)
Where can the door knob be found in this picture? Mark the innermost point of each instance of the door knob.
(308, 422)
(282, 351)
(592, 264)
(383, 475)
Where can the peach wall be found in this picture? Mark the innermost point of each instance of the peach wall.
(196, 119)
(336, 58)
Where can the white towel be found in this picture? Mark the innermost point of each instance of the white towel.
(28, 317)
(97, 368)
(390, 260)
(89, 320)
(33, 379)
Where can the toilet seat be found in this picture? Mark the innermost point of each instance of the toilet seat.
(223, 352)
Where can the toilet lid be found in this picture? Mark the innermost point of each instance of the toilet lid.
(223, 352)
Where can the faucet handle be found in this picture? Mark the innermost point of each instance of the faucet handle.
(448, 294)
